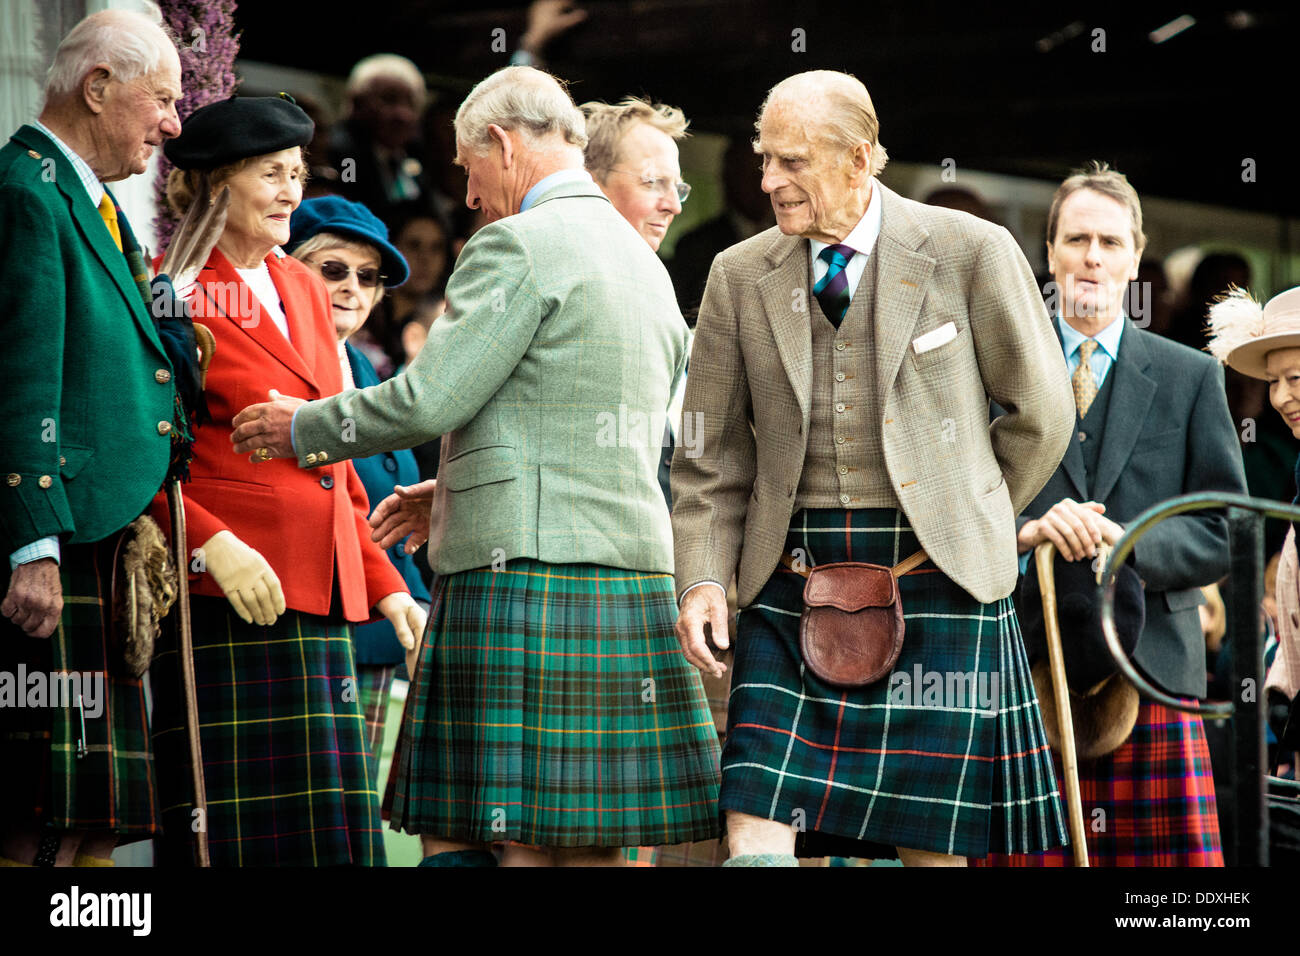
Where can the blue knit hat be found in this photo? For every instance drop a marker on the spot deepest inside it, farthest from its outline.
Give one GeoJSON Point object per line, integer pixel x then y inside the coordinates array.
{"type": "Point", "coordinates": [351, 220]}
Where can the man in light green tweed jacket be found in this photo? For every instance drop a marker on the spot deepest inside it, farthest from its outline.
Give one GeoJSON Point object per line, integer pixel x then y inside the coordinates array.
{"type": "Point", "coordinates": [549, 378]}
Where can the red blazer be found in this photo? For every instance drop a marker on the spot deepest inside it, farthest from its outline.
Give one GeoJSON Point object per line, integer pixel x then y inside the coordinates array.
{"type": "Point", "coordinates": [306, 523]}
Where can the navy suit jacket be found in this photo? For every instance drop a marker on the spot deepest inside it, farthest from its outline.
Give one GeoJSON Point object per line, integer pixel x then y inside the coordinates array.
{"type": "Point", "coordinates": [376, 643]}
{"type": "Point", "coordinates": [1167, 432]}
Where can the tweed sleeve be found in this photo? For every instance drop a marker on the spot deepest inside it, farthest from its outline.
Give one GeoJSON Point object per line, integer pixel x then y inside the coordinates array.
{"type": "Point", "coordinates": [493, 311]}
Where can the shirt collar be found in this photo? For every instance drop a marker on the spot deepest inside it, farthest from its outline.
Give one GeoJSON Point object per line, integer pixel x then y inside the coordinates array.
{"type": "Point", "coordinates": [1107, 339]}
{"type": "Point", "coordinates": [94, 188]}
{"type": "Point", "coordinates": [549, 182]}
{"type": "Point", "coordinates": [864, 235]}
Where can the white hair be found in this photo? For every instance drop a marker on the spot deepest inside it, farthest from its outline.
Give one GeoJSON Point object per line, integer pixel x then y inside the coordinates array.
{"type": "Point", "coordinates": [384, 66]}
{"type": "Point", "coordinates": [523, 99]}
{"type": "Point", "coordinates": [131, 45]}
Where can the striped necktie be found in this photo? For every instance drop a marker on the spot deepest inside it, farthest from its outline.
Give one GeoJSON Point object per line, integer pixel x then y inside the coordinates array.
{"type": "Point", "coordinates": [833, 290]}
{"type": "Point", "coordinates": [108, 213]}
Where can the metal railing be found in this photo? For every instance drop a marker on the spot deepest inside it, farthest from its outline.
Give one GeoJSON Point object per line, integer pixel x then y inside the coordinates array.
{"type": "Point", "coordinates": [1249, 766]}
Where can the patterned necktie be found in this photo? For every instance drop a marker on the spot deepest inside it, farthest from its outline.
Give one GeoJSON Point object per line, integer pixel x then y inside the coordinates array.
{"type": "Point", "coordinates": [833, 289]}
{"type": "Point", "coordinates": [109, 215]}
{"type": "Point", "coordinates": [1085, 386]}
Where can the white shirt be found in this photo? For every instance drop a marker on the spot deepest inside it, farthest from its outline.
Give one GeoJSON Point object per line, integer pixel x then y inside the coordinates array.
{"type": "Point", "coordinates": [259, 280]}
{"type": "Point", "coordinates": [862, 240]}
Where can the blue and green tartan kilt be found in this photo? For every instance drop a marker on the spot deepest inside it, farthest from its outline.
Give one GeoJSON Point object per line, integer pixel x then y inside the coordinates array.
{"type": "Point", "coordinates": [552, 706]}
{"type": "Point", "coordinates": [112, 786]}
{"type": "Point", "coordinates": [376, 684]}
{"type": "Point", "coordinates": [285, 761]}
{"type": "Point", "coordinates": [945, 754]}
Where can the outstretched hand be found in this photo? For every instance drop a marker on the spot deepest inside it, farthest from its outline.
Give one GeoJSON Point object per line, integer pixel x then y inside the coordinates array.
{"type": "Point", "coordinates": [404, 513]}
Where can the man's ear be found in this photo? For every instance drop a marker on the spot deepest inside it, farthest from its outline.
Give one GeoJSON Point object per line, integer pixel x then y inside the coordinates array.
{"type": "Point", "coordinates": [504, 141]}
{"type": "Point", "coordinates": [94, 86]}
{"type": "Point", "coordinates": [1051, 261]}
{"type": "Point", "coordinates": [860, 164]}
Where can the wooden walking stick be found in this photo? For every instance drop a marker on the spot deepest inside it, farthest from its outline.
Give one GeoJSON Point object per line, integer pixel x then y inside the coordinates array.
{"type": "Point", "coordinates": [1045, 558]}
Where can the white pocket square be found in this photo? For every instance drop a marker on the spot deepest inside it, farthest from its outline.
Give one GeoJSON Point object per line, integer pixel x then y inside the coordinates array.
{"type": "Point", "coordinates": [934, 338]}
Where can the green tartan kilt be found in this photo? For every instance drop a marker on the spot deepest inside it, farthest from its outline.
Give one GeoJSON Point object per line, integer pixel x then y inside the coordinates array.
{"type": "Point", "coordinates": [552, 706]}
{"type": "Point", "coordinates": [112, 786]}
{"type": "Point", "coordinates": [285, 761]}
{"type": "Point", "coordinates": [947, 753]}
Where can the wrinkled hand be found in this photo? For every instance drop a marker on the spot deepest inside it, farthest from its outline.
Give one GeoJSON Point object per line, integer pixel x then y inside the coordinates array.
{"type": "Point", "coordinates": [249, 583]}
{"type": "Point", "coordinates": [704, 606]}
{"type": "Point", "coordinates": [408, 620]}
{"type": "Point", "coordinates": [547, 19]}
{"type": "Point", "coordinates": [268, 425]}
{"type": "Point", "coordinates": [1075, 528]}
{"type": "Point", "coordinates": [35, 598]}
{"type": "Point", "coordinates": [404, 512]}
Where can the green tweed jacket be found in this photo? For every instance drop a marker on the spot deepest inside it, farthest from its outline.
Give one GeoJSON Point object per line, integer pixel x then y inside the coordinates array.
{"type": "Point", "coordinates": [86, 383]}
{"type": "Point", "coordinates": [549, 378]}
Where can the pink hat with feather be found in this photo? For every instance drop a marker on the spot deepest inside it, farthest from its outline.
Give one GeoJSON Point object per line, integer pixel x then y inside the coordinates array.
{"type": "Point", "coordinates": [1242, 332]}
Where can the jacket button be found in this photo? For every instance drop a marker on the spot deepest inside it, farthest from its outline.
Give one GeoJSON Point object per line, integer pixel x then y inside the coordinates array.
{"type": "Point", "coordinates": [164, 428]}
{"type": "Point", "coordinates": [839, 346]}
{"type": "Point", "coordinates": [162, 376]}
{"type": "Point", "coordinates": [844, 499]}
{"type": "Point", "coordinates": [321, 456]}
{"type": "Point", "coordinates": [62, 461]}
{"type": "Point", "coordinates": [45, 481]}
{"type": "Point", "coordinates": [327, 482]}
{"type": "Point", "coordinates": [1083, 436]}
{"type": "Point", "coordinates": [390, 463]}
{"type": "Point", "coordinates": [839, 376]}
{"type": "Point", "coordinates": [311, 458]}
{"type": "Point", "coordinates": [14, 480]}
{"type": "Point", "coordinates": [33, 154]}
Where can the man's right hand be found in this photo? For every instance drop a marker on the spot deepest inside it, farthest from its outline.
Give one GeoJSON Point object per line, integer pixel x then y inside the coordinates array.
{"type": "Point", "coordinates": [35, 598]}
{"type": "Point", "coordinates": [703, 605]}
{"type": "Point", "coordinates": [404, 512]}
{"type": "Point", "coordinates": [1076, 528]}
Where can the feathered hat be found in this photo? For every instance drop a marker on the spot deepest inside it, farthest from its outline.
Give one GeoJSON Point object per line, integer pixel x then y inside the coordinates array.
{"type": "Point", "coordinates": [1242, 332]}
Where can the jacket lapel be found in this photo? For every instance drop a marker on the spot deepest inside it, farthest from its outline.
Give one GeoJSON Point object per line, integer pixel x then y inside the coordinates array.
{"type": "Point", "coordinates": [901, 277]}
{"type": "Point", "coordinates": [91, 225]}
{"type": "Point", "coordinates": [232, 293]}
{"type": "Point", "coordinates": [1130, 399]}
{"type": "Point", "coordinates": [791, 328]}
{"type": "Point", "coordinates": [1072, 463]}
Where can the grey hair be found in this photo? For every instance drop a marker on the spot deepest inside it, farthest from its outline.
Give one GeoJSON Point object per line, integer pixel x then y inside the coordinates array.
{"type": "Point", "coordinates": [848, 117]}
{"type": "Point", "coordinates": [129, 43]}
{"type": "Point", "coordinates": [519, 98]}
{"type": "Point", "coordinates": [384, 66]}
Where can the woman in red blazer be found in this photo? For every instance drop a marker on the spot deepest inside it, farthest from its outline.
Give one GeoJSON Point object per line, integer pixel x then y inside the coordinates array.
{"type": "Point", "coordinates": [282, 562]}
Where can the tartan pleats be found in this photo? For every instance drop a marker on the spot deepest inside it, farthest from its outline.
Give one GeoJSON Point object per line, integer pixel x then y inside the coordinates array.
{"type": "Point", "coordinates": [283, 735]}
{"type": "Point", "coordinates": [112, 786]}
{"type": "Point", "coordinates": [552, 706]}
{"type": "Point", "coordinates": [947, 753]}
{"type": "Point", "coordinates": [1149, 803]}
{"type": "Point", "coordinates": [376, 683]}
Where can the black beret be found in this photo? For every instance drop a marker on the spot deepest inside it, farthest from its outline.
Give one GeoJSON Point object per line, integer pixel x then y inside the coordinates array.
{"type": "Point", "coordinates": [237, 128]}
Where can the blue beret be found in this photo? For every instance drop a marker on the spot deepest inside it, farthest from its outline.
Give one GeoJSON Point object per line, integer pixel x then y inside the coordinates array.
{"type": "Point", "coordinates": [238, 128]}
{"type": "Point", "coordinates": [351, 220]}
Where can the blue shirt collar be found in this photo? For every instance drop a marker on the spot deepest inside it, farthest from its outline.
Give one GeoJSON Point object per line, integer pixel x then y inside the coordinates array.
{"type": "Point", "coordinates": [550, 182]}
{"type": "Point", "coordinates": [1107, 339]}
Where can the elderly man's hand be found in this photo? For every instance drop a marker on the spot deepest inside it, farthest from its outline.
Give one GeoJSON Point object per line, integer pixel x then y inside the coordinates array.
{"type": "Point", "coordinates": [1076, 528]}
{"type": "Point", "coordinates": [703, 606]}
{"type": "Point", "coordinates": [35, 598]}
{"type": "Point", "coordinates": [265, 431]}
{"type": "Point", "coordinates": [404, 512]}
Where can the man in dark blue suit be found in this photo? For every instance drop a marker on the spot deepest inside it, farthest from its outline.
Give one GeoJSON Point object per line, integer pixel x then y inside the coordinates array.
{"type": "Point", "coordinates": [1153, 423]}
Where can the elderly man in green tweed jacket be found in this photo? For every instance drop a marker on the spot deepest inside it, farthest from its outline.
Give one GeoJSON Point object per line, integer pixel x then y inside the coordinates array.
{"type": "Point", "coordinates": [87, 405]}
{"type": "Point", "coordinates": [550, 706]}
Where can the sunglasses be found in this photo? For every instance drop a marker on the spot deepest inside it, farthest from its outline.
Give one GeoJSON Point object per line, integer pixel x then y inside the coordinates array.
{"type": "Point", "coordinates": [336, 271]}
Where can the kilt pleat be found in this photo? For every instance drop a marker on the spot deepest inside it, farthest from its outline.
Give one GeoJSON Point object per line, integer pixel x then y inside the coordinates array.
{"type": "Point", "coordinates": [285, 760]}
{"type": "Point", "coordinates": [376, 684]}
{"type": "Point", "coordinates": [947, 753]}
{"type": "Point", "coordinates": [552, 707]}
{"type": "Point", "coordinates": [113, 785]}
{"type": "Point", "coordinates": [1149, 803]}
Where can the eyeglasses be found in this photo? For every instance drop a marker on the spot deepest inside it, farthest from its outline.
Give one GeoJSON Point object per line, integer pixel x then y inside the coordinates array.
{"type": "Point", "coordinates": [336, 271]}
{"type": "Point", "coordinates": [661, 184]}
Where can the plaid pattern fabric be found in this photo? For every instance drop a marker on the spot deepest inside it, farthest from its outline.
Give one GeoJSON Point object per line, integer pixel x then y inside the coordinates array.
{"type": "Point", "coordinates": [376, 685]}
{"type": "Point", "coordinates": [552, 706]}
{"type": "Point", "coordinates": [889, 764]}
{"type": "Point", "coordinates": [1156, 797]}
{"type": "Point", "coordinates": [283, 737]}
{"type": "Point", "coordinates": [113, 786]}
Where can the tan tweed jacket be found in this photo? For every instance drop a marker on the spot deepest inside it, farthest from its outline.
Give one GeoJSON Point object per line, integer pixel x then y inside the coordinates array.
{"type": "Point", "coordinates": [961, 480]}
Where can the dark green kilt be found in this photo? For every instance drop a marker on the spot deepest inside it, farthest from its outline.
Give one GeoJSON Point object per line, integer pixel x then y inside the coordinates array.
{"type": "Point", "coordinates": [285, 760]}
{"type": "Point", "coordinates": [552, 706]}
{"type": "Point", "coordinates": [946, 754]}
{"type": "Point", "coordinates": [110, 787]}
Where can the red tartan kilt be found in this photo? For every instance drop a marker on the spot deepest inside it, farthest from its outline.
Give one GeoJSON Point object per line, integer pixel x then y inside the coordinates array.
{"type": "Point", "coordinates": [1150, 803]}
